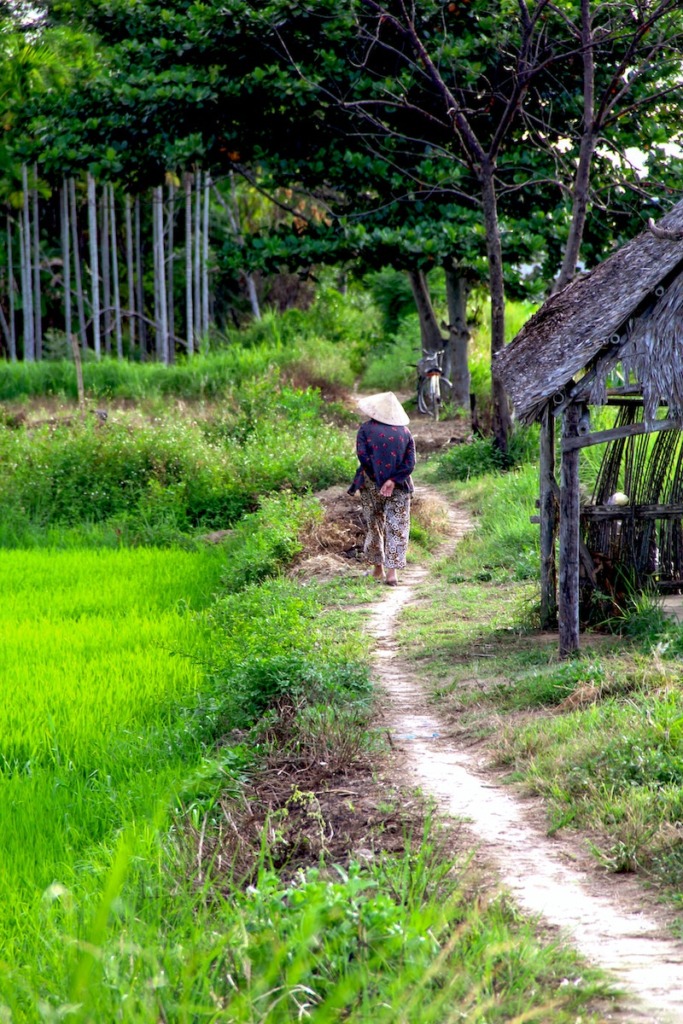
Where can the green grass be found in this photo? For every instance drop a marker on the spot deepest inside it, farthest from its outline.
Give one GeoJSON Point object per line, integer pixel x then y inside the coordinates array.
{"type": "Point", "coordinates": [125, 672]}
{"type": "Point", "coordinates": [325, 343]}
{"type": "Point", "coordinates": [98, 650]}
{"type": "Point", "coordinates": [141, 482]}
{"type": "Point", "coordinates": [121, 671]}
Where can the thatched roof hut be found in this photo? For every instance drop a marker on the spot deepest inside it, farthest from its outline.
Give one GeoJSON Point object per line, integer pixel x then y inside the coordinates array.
{"type": "Point", "coordinates": [589, 325]}
{"type": "Point", "coordinates": [613, 336]}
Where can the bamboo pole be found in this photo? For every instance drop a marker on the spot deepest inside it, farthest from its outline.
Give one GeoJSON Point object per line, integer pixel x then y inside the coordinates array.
{"type": "Point", "coordinates": [26, 282]}
{"type": "Point", "coordinates": [94, 265]}
{"type": "Point", "coordinates": [80, 304]}
{"type": "Point", "coordinates": [37, 299]}
{"type": "Point", "coordinates": [104, 264]}
{"type": "Point", "coordinates": [11, 283]}
{"type": "Point", "coordinates": [197, 258]}
{"type": "Point", "coordinates": [170, 318]}
{"type": "Point", "coordinates": [155, 265]}
{"type": "Point", "coordinates": [130, 274]}
{"type": "Point", "coordinates": [139, 283]}
{"type": "Point", "coordinates": [114, 262]}
{"type": "Point", "coordinates": [160, 276]}
{"type": "Point", "coordinates": [205, 257]}
{"type": "Point", "coordinates": [617, 433]}
{"type": "Point", "coordinates": [548, 518]}
{"type": "Point", "coordinates": [66, 259]}
{"type": "Point", "coordinates": [189, 314]}
{"type": "Point", "coordinates": [569, 538]}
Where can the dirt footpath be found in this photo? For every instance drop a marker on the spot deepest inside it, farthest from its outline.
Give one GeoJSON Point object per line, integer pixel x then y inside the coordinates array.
{"type": "Point", "coordinates": [603, 916]}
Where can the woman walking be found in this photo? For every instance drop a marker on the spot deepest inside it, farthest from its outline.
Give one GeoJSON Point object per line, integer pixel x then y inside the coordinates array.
{"type": "Point", "coordinates": [386, 453]}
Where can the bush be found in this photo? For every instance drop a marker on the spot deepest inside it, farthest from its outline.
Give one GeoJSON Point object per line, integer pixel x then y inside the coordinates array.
{"type": "Point", "coordinates": [481, 456]}
{"type": "Point", "coordinates": [154, 482]}
{"type": "Point", "coordinates": [266, 541]}
{"type": "Point", "coordinates": [391, 365]}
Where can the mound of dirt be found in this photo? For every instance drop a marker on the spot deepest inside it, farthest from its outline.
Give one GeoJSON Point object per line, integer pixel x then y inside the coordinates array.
{"type": "Point", "coordinates": [334, 546]}
{"type": "Point", "coordinates": [340, 534]}
{"type": "Point", "coordinates": [432, 437]}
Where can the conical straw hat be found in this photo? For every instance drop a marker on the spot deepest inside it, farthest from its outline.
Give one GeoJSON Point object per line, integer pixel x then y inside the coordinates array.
{"type": "Point", "coordinates": [385, 408]}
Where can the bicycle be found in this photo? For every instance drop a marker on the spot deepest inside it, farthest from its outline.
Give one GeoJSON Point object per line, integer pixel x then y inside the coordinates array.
{"type": "Point", "coordinates": [430, 375]}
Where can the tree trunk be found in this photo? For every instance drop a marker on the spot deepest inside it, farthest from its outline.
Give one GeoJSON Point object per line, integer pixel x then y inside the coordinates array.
{"type": "Point", "coordinates": [130, 275]}
{"type": "Point", "coordinates": [94, 266]}
{"type": "Point", "coordinates": [80, 303]}
{"type": "Point", "coordinates": [115, 275]}
{"type": "Point", "coordinates": [11, 286]}
{"type": "Point", "coordinates": [205, 257]}
{"type": "Point", "coordinates": [106, 277]}
{"type": "Point", "coordinates": [189, 312]}
{"type": "Point", "coordinates": [66, 261]}
{"type": "Point", "coordinates": [432, 339]}
{"type": "Point", "coordinates": [26, 282]}
{"type": "Point", "coordinates": [169, 273]}
{"type": "Point", "coordinates": [456, 361]}
{"type": "Point", "coordinates": [139, 282]}
{"type": "Point", "coordinates": [197, 257]}
{"type": "Point", "coordinates": [502, 421]}
{"type": "Point", "coordinates": [253, 295]}
{"type": "Point", "coordinates": [586, 152]}
{"type": "Point", "coordinates": [37, 298]}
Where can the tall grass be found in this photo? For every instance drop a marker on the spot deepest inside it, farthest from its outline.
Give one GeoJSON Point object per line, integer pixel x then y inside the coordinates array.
{"type": "Point", "coordinates": [157, 482]}
{"type": "Point", "coordinates": [327, 343]}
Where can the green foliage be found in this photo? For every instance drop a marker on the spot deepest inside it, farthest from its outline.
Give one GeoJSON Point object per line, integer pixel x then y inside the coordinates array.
{"type": "Point", "coordinates": [267, 540]}
{"type": "Point", "coordinates": [548, 685]}
{"type": "Point", "coordinates": [391, 364]}
{"type": "Point", "coordinates": [269, 640]}
{"type": "Point", "coordinates": [393, 296]}
{"type": "Point", "coordinates": [643, 619]}
{"type": "Point", "coordinates": [481, 456]}
{"type": "Point", "coordinates": [155, 482]}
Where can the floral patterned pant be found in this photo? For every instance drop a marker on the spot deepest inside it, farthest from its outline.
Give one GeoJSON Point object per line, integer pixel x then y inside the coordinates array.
{"type": "Point", "coordinates": [388, 525]}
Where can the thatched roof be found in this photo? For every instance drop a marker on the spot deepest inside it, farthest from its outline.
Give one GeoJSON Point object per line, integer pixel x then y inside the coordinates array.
{"type": "Point", "coordinates": [589, 318]}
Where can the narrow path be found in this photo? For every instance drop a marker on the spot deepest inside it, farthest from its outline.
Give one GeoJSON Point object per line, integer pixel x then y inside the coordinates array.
{"type": "Point", "coordinates": [606, 926]}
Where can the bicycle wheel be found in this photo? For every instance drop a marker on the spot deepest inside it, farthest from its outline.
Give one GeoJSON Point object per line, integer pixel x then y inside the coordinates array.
{"type": "Point", "coordinates": [429, 398]}
{"type": "Point", "coordinates": [422, 394]}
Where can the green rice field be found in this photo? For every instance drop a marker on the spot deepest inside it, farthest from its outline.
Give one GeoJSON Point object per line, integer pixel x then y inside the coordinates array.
{"type": "Point", "coordinates": [96, 650]}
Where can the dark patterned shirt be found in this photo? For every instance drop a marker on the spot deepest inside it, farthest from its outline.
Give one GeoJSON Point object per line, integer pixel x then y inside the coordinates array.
{"type": "Point", "coordinates": [385, 453]}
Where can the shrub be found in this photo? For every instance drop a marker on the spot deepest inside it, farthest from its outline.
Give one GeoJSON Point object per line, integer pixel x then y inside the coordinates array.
{"type": "Point", "coordinates": [391, 365]}
{"type": "Point", "coordinates": [481, 456]}
{"type": "Point", "coordinates": [155, 482]}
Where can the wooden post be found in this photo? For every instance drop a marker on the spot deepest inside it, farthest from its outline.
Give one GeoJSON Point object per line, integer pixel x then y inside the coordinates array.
{"type": "Point", "coordinates": [569, 538]}
{"type": "Point", "coordinates": [548, 517]}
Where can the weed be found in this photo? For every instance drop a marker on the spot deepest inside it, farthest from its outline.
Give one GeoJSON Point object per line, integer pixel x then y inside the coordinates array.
{"type": "Point", "coordinates": [481, 456]}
